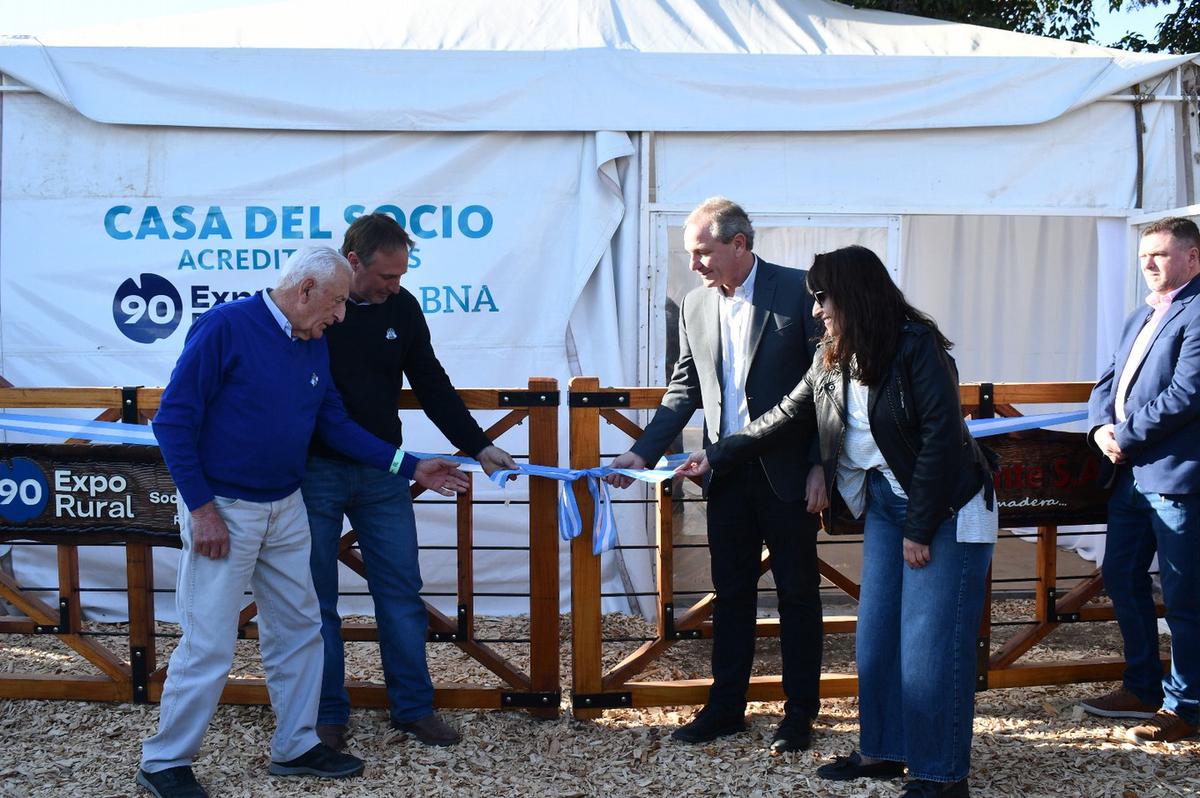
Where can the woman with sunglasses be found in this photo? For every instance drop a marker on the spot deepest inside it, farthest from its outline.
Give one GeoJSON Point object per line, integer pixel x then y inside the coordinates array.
{"type": "Point", "coordinates": [882, 393]}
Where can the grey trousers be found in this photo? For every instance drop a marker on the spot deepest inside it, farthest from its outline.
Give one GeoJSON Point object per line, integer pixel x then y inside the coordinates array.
{"type": "Point", "coordinates": [269, 549]}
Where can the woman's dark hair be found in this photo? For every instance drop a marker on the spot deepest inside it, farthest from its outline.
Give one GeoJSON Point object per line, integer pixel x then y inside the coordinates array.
{"type": "Point", "coordinates": [870, 311]}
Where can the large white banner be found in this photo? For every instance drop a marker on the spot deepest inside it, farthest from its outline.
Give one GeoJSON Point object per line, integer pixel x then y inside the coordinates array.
{"type": "Point", "coordinates": [114, 239]}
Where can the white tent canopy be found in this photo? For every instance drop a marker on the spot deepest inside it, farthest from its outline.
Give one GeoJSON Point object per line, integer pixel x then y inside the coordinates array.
{"type": "Point", "coordinates": [525, 65]}
{"type": "Point", "coordinates": [545, 153]}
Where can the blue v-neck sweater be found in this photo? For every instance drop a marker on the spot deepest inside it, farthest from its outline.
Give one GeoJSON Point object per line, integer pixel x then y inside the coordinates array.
{"type": "Point", "coordinates": [242, 403]}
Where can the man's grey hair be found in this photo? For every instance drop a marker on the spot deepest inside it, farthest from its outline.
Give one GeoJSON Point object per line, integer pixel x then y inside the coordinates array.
{"type": "Point", "coordinates": [319, 263]}
{"type": "Point", "coordinates": [725, 220]}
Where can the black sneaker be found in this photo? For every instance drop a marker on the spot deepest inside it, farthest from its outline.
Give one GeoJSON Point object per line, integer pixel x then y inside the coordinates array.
{"type": "Point", "coordinates": [844, 768]}
{"type": "Point", "coordinates": [320, 760]}
{"type": "Point", "coordinates": [794, 733]}
{"type": "Point", "coordinates": [178, 782]}
{"type": "Point", "coordinates": [708, 725]}
{"type": "Point", "coordinates": [920, 788]}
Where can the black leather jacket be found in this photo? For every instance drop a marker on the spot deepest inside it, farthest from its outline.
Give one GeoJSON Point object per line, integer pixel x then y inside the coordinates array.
{"type": "Point", "coordinates": [916, 420]}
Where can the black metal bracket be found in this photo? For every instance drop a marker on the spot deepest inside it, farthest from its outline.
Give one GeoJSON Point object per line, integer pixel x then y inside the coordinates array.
{"type": "Point", "coordinates": [987, 400]}
{"type": "Point", "coordinates": [669, 630]}
{"type": "Point", "coordinates": [529, 399]}
{"type": "Point", "coordinates": [983, 656]}
{"type": "Point", "coordinates": [129, 404]}
{"type": "Point", "coordinates": [667, 487]}
{"type": "Point", "coordinates": [1055, 615]}
{"type": "Point", "coordinates": [139, 674]}
{"type": "Point", "coordinates": [601, 700]}
{"type": "Point", "coordinates": [63, 626]}
{"type": "Point", "coordinates": [458, 634]}
{"type": "Point", "coordinates": [598, 399]}
{"type": "Point", "coordinates": [531, 700]}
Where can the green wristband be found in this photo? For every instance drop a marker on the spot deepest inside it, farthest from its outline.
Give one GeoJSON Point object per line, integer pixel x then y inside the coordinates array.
{"type": "Point", "coordinates": [396, 461]}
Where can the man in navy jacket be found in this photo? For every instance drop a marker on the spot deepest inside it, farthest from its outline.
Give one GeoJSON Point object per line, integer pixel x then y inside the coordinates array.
{"type": "Point", "coordinates": [1145, 418]}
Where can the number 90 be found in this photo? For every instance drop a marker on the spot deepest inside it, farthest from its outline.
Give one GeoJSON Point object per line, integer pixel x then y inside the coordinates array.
{"type": "Point", "coordinates": [160, 308]}
{"type": "Point", "coordinates": [29, 491]}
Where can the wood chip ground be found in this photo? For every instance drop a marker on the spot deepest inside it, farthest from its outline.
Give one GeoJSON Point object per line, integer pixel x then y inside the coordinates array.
{"type": "Point", "coordinates": [1028, 741]}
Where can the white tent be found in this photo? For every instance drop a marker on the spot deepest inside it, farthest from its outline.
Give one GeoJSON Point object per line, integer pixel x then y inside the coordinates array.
{"type": "Point", "coordinates": [545, 153]}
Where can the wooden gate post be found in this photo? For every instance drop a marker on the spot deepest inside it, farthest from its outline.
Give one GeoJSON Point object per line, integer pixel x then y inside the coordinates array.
{"type": "Point", "coordinates": [586, 676]}
{"type": "Point", "coordinates": [139, 567]}
{"type": "Point", "coordinates": [544, 665]}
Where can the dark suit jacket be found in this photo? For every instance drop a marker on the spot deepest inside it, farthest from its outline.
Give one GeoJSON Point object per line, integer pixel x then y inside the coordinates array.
{"type": "Point", "coordinates": [782, 340]}
{"type": "Point", "coordinates": [1160, 435]}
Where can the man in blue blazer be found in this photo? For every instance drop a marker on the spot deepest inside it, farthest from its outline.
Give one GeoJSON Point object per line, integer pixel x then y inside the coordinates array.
{"type": "Point", "coordinates": [1145, 418]}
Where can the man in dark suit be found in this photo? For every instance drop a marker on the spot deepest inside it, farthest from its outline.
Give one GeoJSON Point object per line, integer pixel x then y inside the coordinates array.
{"type": "Point", "coordinates": [1145, 418]}
{"type": "Point", "coordinates": [746, 338]}
{"type": "Point", "coordinates": [383, 339]}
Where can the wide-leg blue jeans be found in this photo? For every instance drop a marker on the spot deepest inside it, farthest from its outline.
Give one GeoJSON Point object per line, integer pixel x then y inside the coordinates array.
{"type": "Point", "coordinates": [1141, 523]}
{"type": "Point", "coordinates": [380, 510]}
{"type": "Point", "coordinates": [915, 644]}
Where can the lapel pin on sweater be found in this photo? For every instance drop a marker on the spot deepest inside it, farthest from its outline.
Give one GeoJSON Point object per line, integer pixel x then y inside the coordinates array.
{"type": "Point", "coordinates": [314, 379]}
{"type": "Point", "coordinates": [390, 334]}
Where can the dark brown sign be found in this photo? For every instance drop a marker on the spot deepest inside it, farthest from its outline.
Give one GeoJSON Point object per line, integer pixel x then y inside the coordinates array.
{"type": "Point", "coordinates": [1046, 478]}
{"type": "Point", "coordinates": [86, 494]}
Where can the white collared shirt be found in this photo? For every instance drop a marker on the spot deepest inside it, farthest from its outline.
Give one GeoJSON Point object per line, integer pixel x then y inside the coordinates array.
{"type": "Point", "coordinates": [284, 324]}
{"type": "Point", "coordinates": [737, 312]}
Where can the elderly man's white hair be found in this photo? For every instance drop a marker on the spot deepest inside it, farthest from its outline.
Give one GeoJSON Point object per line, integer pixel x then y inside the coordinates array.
{"type": "Point", "coordinates": [319, 263]}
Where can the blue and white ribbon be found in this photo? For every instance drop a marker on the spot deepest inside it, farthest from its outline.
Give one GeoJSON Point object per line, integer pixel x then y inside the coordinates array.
{"type": "Point", "coordinates": [66, 428]}
{"type": "Point", "coordinates": [570, 520]}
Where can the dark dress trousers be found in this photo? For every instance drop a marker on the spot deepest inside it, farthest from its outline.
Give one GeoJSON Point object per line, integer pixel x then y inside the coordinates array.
{"type": "Point", "coordinates": [761, 503]}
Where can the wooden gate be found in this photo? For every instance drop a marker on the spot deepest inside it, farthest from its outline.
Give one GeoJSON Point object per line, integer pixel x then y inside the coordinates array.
{"type": "Point", "coordinates": [595, 689]}
{"type": "Point", "coordinates": [140, 677]}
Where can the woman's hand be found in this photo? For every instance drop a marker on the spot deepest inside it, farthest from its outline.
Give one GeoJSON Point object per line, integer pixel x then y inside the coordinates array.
{"type": "Point", "coordinates": [916, 554]}
{"type": "Point", "coordinates": [696, 465]}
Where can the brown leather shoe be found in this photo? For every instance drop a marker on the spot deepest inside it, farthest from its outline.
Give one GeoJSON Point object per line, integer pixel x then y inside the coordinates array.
{"type": "Point", "coordinates": [1120, 703]}
{"type": "Point", "coordinates": [431, 730]}
{"type": "Point", "coordinates": [333, 735]}
{"type": "Point", "coordinates": [1164, 727]}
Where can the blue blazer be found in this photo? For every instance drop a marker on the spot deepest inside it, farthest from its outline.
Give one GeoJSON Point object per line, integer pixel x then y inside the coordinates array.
{"type": "Point", "coordinates": [1160, 435]}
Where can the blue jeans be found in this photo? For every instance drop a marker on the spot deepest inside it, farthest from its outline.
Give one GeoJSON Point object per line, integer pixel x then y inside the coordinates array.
{"type": "Point", "coordinates": [380, 510]}
{"type": "Point", "coordinates": [915, 645]}
{"type": "Point", "coordinates": [1139, 524]}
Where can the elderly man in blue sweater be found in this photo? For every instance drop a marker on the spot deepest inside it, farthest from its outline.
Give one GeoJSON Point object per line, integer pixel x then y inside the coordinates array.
{"type": "Point", "coordinates": [249, 390]}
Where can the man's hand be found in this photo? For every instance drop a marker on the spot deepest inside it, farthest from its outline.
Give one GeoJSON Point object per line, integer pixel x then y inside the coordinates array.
{"type": "Point", "coordinates": [814, 489]}
{"type": "Point", "coordinates": [697, 465]}
{"type": "Point", "coordinates": [494, 459]}
{"type": "Point", "coordinates": [916, 554]}
{"type": "Point", "coordinates": [210, 536]}
{"type": "Point", "coordinates": [1106, 438]}
{"type": "Point", "coordinates": [627, 460]}
{"type": "Point", "coordinates": [442, 476]}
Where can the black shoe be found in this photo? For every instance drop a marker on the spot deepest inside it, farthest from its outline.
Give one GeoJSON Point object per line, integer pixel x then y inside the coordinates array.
{"type": "Point", "coordinates": [844, 768]}
{"type": "Point", "coordinates": [320, 760]}
{"type": "Point", "coordinates": [709, 724]}
{"type": "Point", "coordinates": [431, 730]}
{"type": "Point", "coordinates": [178, 782]}
{"type": "Point", "coordinates": [920, 788]}
{"type": "Point", "coordinates": [332, 735]}
{"type": "Point", "coordinates": [792, 734]}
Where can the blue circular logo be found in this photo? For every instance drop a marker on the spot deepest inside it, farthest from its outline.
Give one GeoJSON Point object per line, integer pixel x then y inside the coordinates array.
{"type": "Point", "coordinates": [147, 312]}
{"type": "Point", "coordinates": [23, 490]}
